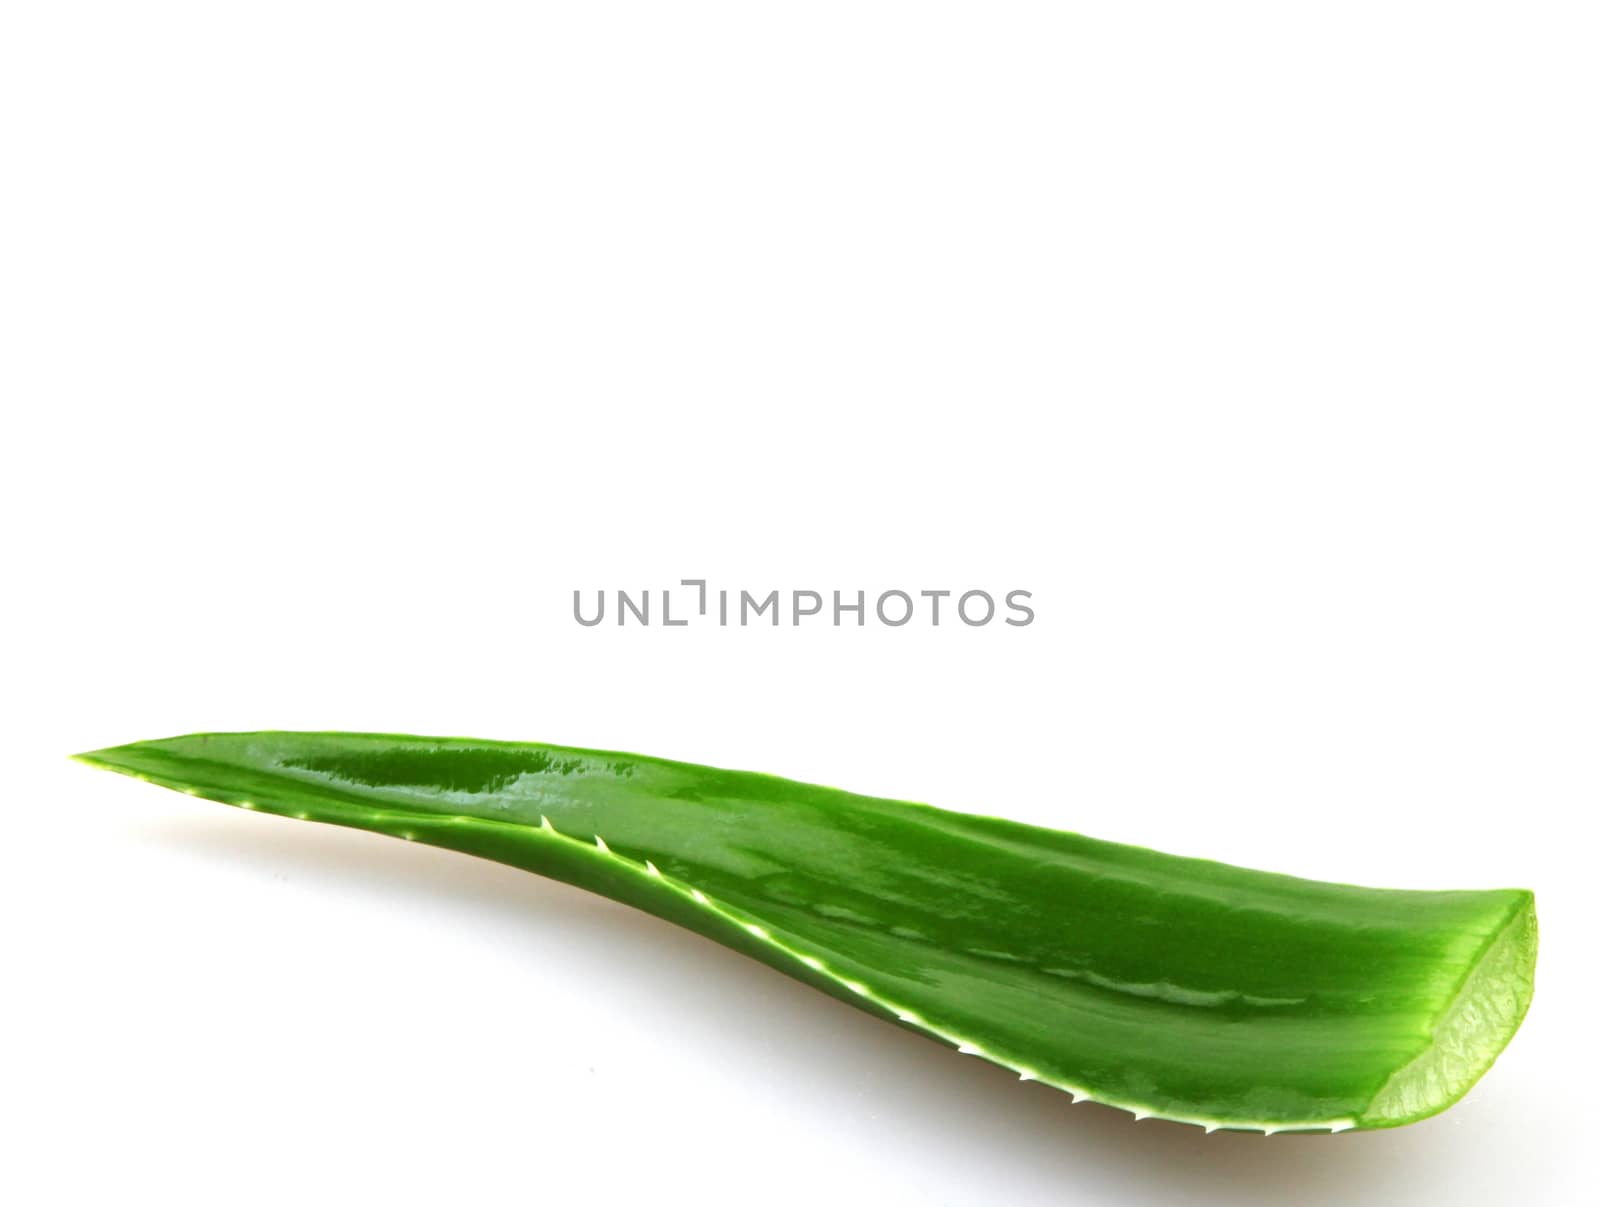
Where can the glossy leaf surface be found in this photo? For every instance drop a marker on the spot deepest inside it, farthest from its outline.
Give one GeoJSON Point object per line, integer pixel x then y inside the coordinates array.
{"type": "Point", "coordinates": [1171, 987]}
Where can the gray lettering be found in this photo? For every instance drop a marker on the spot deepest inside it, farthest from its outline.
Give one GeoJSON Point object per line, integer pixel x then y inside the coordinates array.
{"type": "Point", "coordinates": [895, 624]}
{"type": "Point", "coordinates": [1019, 608]}
{"type": "Point", "coordinates": [1011, 602]}
{"type": "Point", "coordinates": [746, 599]}
{"type": "Point", "coordinates": [577, 612]}
{"type": "Point", "coordinates": [859, 608]}
{"type": "Point", "coordinates": [961, 607]}
{"type": "Point", "coordinates": [696, 582]}
{"type": "Point", "coordinates": [641, 614]}
{"type": "Point", "coordinates": [816, 605]}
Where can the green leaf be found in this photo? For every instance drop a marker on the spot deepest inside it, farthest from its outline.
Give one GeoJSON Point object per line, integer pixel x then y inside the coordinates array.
{"type": "Point", "coordinates": [1169, 987]}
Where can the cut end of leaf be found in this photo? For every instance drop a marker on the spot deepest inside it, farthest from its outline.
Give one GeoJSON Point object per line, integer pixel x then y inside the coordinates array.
{"type": "Point", "coordinates": [1471, 1032]}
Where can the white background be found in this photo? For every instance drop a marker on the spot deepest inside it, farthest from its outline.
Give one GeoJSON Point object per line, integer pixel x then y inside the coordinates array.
{"type": "Point", "coordinates": [343, 341]}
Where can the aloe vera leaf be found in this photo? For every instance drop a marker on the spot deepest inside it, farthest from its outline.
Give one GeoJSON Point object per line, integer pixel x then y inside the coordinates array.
{"type": "Point", "coordinates": [1170, 987]}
